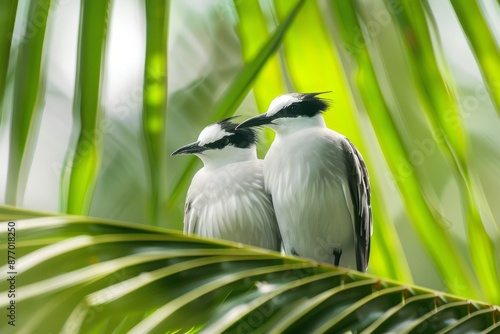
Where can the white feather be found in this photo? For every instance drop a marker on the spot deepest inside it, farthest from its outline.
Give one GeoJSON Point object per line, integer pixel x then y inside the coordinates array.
{"type": "Point", "coordinates": [211, 134]}
{"type": "Point", "coordinates": [303, 171]}
{"type": "Point", "coordinates": [281, 102]}
{"type": "Point", "coordinates": [230, 203]}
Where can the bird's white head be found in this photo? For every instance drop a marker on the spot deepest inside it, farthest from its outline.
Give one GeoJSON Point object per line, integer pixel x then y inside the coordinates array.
{"type": "Point", "coordinates": [290, 112]}
{"type": "Point", "coordinates": [221, 143]}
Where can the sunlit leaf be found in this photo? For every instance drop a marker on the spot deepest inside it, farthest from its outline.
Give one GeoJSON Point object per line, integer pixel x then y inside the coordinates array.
{"type": "Point", "coordinates": [441, 105]}
{"type": "Point", "coordinates": [452, 267]}
{"type": "Point", "coordinates": [154, 116]}
{"type": "Point", "coordinates": [28, 98]}
{"type": "Point", "coordinates": [7, 20]}
{"type": "Point", "coordinates": [483, 44]}
{"type": "Point", "coordinates": [82, 163]}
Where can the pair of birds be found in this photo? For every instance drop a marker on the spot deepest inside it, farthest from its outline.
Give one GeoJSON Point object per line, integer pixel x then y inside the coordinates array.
{"type": "Point", "coordinates": [311, 192]}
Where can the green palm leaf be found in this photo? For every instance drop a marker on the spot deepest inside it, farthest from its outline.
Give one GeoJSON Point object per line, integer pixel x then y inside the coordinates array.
{"type": "Point", "coordinates": [86, 275]}
{"type": "Point", "coordinates": [7, 19]}
{"type": "Point", "coordinates": [437, 97]}
{"type": "Point", "coordinates": [483, 44]}
{"type": "Point", "coordinates": [29, 91]}
{"type": "Point", "coordinates": [154, 122]}
{"type": "Point", "coordinates": [82, 164]}
{"type": "Point", "coordinates": [455, 272]}
{"type": "Point", "coordinates": [396, 82]}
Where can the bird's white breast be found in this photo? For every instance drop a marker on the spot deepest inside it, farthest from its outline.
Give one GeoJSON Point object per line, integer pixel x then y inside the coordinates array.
{"type": "Point", "coordinates": [305, 173]}
{"type": "Point", "coordinates": [230, 203]}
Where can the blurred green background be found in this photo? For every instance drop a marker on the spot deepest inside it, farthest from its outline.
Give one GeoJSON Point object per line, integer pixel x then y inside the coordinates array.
{"type": "Point", "coordinates": [96, 95]}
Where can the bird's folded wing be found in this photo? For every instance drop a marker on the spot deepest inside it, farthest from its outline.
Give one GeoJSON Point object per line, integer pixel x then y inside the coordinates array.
{"type": "Point", "coordinates": [359, 187]}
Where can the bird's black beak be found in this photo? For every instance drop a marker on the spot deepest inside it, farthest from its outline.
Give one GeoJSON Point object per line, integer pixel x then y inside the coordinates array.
{"type": "Point", "coordinates": [258, 120]}
{"type": "Point", "coordinates": [192, 148]}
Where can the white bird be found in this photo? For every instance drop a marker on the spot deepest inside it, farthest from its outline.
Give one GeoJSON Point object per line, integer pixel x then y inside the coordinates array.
{"type": "Point", "coordinates": [318, 182]}
{"type": "Point", "coordinates": [226, 198]}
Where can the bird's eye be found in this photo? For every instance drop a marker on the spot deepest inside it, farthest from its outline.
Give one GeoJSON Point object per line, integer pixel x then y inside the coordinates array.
{"type": "Point", "coordinates": [293, 108]}
{"type": "Point", "coordinates": [226, 141]}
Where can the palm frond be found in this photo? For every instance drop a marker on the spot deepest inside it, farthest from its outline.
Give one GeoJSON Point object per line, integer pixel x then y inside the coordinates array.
{"type": "Point", "coordinates": [83, 275]}
{"type": "Point", "coordinates": [81, 167]}
{"type": "Point", "coordinates": [154, 116]}
{"type": "Point", "coordinates": [28, 98]}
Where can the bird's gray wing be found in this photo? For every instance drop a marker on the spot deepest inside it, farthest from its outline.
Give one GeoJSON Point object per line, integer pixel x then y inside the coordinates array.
{"type": "Point", "coordinates": [359, 186]}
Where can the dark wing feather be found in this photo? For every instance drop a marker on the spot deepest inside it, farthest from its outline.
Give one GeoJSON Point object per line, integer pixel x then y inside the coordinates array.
{"type": "Point", "coordinates": [359, 186]}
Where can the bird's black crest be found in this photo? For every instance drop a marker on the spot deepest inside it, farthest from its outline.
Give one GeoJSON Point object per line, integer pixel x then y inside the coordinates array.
{"type": "Point", "coordinates": [241, 138]}
{"type": "Point", "coordinates": [313, 105]}
{"type": "Point", "coordinates": [309, 105]}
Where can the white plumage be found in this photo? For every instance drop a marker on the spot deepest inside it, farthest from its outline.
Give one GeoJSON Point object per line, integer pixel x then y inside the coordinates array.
{"type": "Point", "coordinates": [226, 198]}
{"type": "Point", "coordinates": [318, 182]}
